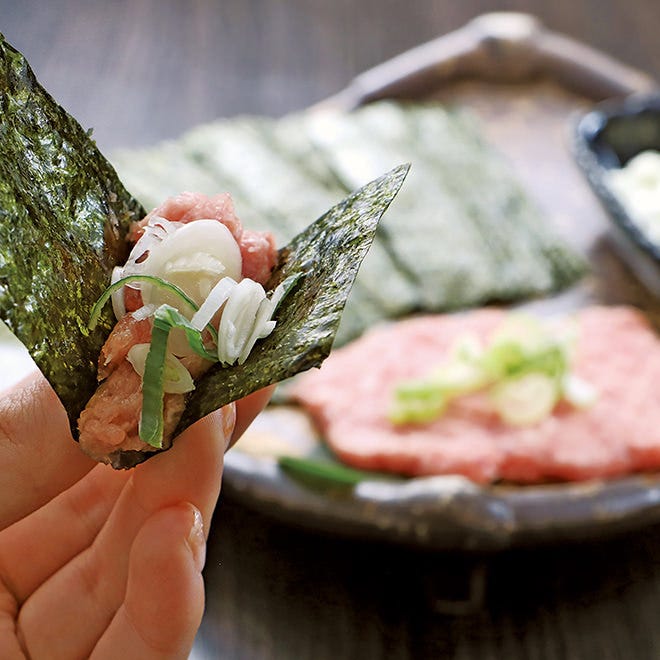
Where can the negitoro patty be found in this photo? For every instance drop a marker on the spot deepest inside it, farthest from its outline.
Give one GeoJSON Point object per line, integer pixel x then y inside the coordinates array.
{"type": "Point", "coordinates": [616, 352]}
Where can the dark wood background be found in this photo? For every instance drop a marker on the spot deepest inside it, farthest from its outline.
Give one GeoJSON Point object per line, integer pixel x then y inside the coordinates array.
{"type": "Point", "coordinates": [139, 71]}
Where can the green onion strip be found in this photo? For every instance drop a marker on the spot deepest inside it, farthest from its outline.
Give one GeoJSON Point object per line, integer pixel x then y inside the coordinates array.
{"type": "Point", "coordinates": [151, 279]}
{"type": "Point", "coordinates": [166, 318]}
{"type": "Point", "coordinates": [151, 418]}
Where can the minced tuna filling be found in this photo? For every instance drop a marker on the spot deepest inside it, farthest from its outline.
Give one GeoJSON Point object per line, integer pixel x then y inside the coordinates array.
{"type": "Point", "coordinates": [111, 418]}
{"type": "Point", "coordinates": [617, 352]}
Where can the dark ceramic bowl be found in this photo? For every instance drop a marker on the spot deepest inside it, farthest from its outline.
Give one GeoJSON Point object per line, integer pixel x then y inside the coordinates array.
{"type": "Point", "coordinates": [606, 138]}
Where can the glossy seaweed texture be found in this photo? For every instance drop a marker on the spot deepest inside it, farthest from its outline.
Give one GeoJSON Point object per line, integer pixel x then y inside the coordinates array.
{"type": "Point", "coordinates": [606, 138]}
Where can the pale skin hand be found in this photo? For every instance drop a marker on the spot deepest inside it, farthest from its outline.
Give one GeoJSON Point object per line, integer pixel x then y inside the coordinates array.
{"type": "Point", "coordinates": [97, 563]}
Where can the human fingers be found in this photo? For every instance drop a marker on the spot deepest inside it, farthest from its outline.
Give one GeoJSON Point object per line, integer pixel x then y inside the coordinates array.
{"type": "Point", "coordinates": [69, 523]}
{"type": "Point", "coordinates": [58, 531]}
{"type": "Point", "coordinates": [36, 446]}
{"type": "Point", "coordinates": [164, 601]}
{"type": "Point", "coordinates": [39, 457]}
{"type": "Point", "coordinates": [95, 580]}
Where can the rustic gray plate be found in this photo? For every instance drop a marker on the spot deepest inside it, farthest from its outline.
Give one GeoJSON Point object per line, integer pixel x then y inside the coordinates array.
{"type": "Point", "coordinates": [527, 85]}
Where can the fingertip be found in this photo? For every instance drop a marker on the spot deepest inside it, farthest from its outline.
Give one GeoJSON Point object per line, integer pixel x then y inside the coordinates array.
{"type": "Point", "coordinates": [175, 529]}
{"type": "Point", "coordinates": [216, 426]}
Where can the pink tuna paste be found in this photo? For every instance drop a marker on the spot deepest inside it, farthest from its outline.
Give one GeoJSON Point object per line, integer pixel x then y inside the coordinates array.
{"type": "Point", "coordinates": [110, 420]}
{"type": "Point", "coordinates": [617, 352]}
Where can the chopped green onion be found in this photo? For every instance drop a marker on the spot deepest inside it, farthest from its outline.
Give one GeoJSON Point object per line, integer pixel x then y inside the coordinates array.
{"type": "Point", "coordinates": [525, 369]}
{"type": "Point", "coordinates": [509, 359]}
{"type": "Point", "coordinates": [152, 279]}
{"type": "Point", "coordinates": [151, 419]}
{"type": "Point", "coordinates": [165, 318]}
{"type": "Point", "coordinates": [176, 378]}
{"type": "Point", "coordinates": [525, 400]}
{"type": "Point", "coordinates": [527, 332]}
{"type": "Point", "coordinates": [422, 401]}
{"type": "Point", "coordinates": [460, 377]}
{"type": "Point", "coordinates": [172, 317]}
{"type": "Point", "coordinates": [428, 404]}
{"type": "Point", "coordinates": [326, 471]}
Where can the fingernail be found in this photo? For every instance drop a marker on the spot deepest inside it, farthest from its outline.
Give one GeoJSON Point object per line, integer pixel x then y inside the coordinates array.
{"type": "Point", "coordinates": [196, 539]}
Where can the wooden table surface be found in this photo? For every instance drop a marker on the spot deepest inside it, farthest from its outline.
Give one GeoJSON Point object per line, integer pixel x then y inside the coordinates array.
{"type": "Point", "coordinates": [139, 71]}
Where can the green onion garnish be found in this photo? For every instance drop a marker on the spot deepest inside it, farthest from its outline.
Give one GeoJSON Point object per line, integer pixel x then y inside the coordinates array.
{"type": "Point", "coordinates": [524, 368]}
{"type": "Point", "coordinates": [151, 279]}
{"type": "Point", "coordinates": [166, 315]}
{"type": "Point", "coordinates": [326, 471]}
{"type": "Point", "coordinates": [151, 419]}
{"type": "Point", "coordinates": [165, 319]}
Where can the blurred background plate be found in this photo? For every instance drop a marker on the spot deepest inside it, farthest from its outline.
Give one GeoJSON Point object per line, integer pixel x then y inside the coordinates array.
{"type": "Point", "coordinates": [528, 86]}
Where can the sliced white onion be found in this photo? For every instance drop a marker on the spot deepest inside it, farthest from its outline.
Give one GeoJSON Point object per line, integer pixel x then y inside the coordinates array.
{"type": "Point", "coordinates": [246, 318]}
{"type": "Point", "coordinates": [263, 324]}
{"type": "Point", "coordinates": [168, 226]}
{"type": "Point", "coordinates": [238, 319]}
{"type": "Point", "coordinates": [144, 312]}
{"type": "Point", "coordinates": [155, 232]}
{"type": "Point", "coordinates": [276, 296]}
{"type": "Point", "coordinates": [146, 243]}
{"type": "Point", "coordinates": [176, 378]}
{"type": "Point", "coordinates": [160, 228]}
{"type": "Point", "coordinates": [261, 329]}
{"type": "Point", "coordinates": [214, 301]}
{"type": "Point", "coordinates": [195, 262]}
{"type": "Point", "coordinates": [225, 341]}
{"type": "Point", "coordinates": [118, 306]}
{"type": "Point", "coordinates": [193, 258]}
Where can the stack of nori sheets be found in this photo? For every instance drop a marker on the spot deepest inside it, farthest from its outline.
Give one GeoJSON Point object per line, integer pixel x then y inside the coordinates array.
{"type": "Point", "coordinates": [462, 231]}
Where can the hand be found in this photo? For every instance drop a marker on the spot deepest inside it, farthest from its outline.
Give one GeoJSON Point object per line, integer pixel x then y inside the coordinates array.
{"type": "Point", "coordinates": [99, 563]}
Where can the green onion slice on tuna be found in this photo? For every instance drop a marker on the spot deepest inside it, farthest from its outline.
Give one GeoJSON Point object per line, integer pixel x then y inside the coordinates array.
{"type": "Point", "coordinates": [525, 371]}
{"type": "Point", "coordinates": [151, 419]}
{"type": "Point", "coordinates": [165, 319]}
{"type": "Point", "coordinates": [130, 279]}
{"type": "Point", "coordinates": [166, 315]}
{"type": "Point", "coordinates": [176, 378]}
{"type": "Point", "coordinates": [151, 279]}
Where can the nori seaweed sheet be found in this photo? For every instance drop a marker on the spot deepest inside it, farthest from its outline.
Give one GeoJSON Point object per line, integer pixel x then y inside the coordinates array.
{"type": "Point", "coordinates": [64, 216]}
{"type": "Point", "coordinates": [63, 219]}
{"type": "Point", "coordinates": [329, 253]}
